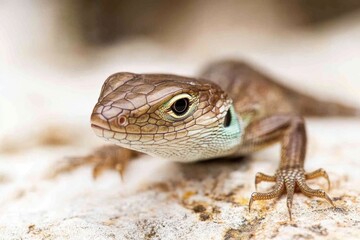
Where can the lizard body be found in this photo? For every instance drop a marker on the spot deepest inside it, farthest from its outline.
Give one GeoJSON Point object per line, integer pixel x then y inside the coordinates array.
{"type": "Point", "coordinates": [231, 110]}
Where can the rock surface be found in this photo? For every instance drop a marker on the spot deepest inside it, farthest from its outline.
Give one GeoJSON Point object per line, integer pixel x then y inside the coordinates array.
{"type": "Point", "coordinates": [161, 200]}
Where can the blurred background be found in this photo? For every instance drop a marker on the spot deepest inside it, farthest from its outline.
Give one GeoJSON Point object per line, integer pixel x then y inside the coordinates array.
{"type": "Point", "coordinates": [55, 55]}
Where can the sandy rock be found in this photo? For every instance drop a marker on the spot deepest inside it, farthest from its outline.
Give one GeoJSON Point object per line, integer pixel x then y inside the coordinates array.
{"type": "Point", "coordinates": [161, 200]}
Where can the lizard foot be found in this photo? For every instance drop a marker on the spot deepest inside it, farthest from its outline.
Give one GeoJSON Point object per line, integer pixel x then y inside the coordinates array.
{"type": "Point", "coordinates": [107, 157]}
{"type": "Point", "coordinates": [288, 180]}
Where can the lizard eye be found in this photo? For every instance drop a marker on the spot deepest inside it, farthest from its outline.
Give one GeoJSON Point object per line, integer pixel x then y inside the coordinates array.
{"type": "Point", "coordinates": [180, 106]}
{"type": "Point", "coordinates": [227, 119]}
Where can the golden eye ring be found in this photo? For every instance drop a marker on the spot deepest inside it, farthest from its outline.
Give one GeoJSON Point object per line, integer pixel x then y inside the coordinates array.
{"type": "Point", "coordinates": [179, 107]}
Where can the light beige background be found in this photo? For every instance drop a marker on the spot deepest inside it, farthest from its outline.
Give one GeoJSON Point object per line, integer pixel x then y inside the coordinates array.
{"type": "Point", "coordinates": [49, 83]}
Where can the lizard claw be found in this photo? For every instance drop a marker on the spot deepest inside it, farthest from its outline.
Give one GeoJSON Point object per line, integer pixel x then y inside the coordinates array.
{"type": "Point", "coordinates": [114, 160]}
{"type": "Point", "coordinates": [276, 192]}
{"type": "Point", "coordinates": [110, 163]}
{"type": "Point", "coordinates": [287, 180]}
{"type": "Point", "coordinates": [107, 157]}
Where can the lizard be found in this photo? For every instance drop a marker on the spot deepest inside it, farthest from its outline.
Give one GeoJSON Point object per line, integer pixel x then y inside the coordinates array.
{"type": "Point", "coordinates": [231, 110]}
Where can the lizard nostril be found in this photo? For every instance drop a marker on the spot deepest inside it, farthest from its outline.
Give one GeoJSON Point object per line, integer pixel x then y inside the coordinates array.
{"type": "Point", "coordinates": [122, 121]}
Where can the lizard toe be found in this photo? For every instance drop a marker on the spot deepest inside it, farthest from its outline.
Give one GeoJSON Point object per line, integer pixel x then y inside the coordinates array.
{"type": "Point", "coordinates": [287, 180]}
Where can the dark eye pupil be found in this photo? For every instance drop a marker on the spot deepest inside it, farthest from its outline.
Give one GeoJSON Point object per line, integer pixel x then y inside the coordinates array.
{"type": "Point", "coordinates": [180, 106]}
{"type": "Point", "coordinates": [227, 120]}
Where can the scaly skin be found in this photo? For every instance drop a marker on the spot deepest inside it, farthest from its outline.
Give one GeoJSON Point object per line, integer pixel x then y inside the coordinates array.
{"type": "Point", "coordinates": [134, 111]}
{"type": "Point", "coordinates": [238, 112]}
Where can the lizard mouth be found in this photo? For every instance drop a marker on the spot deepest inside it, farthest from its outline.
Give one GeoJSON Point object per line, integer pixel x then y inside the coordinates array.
{"type": "Point", "coordinates": [99, 131]}
{"type": "Point", "coordinates": [104, 131]}
{"type": "Point", "coordinates": [94, 126]}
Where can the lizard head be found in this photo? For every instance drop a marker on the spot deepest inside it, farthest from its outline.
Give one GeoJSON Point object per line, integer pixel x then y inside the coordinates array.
{"type": "Point", "coordinates": [173, 117]}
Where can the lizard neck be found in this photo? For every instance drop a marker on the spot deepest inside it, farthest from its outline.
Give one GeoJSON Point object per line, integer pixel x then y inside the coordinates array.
{"type": "Point", "coordinates": [222, 141]}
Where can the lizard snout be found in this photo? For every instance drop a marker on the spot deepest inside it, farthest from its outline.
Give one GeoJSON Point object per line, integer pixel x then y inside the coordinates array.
{"type": "Point", "coordinates": [109, 118]}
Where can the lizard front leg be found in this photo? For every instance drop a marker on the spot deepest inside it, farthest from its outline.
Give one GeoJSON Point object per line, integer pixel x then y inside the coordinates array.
{"type": "Point", "coordinates": [106, 157]}
{"type": "Point", "coordinates": [290, 131]}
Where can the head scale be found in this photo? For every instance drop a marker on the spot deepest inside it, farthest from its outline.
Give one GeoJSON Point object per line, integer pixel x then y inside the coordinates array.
{"type": "Point", "coordinates": [173, 117]}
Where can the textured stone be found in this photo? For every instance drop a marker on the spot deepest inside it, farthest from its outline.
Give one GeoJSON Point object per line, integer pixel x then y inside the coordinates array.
{"type": "Point", "coordinates": [161, 200]}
